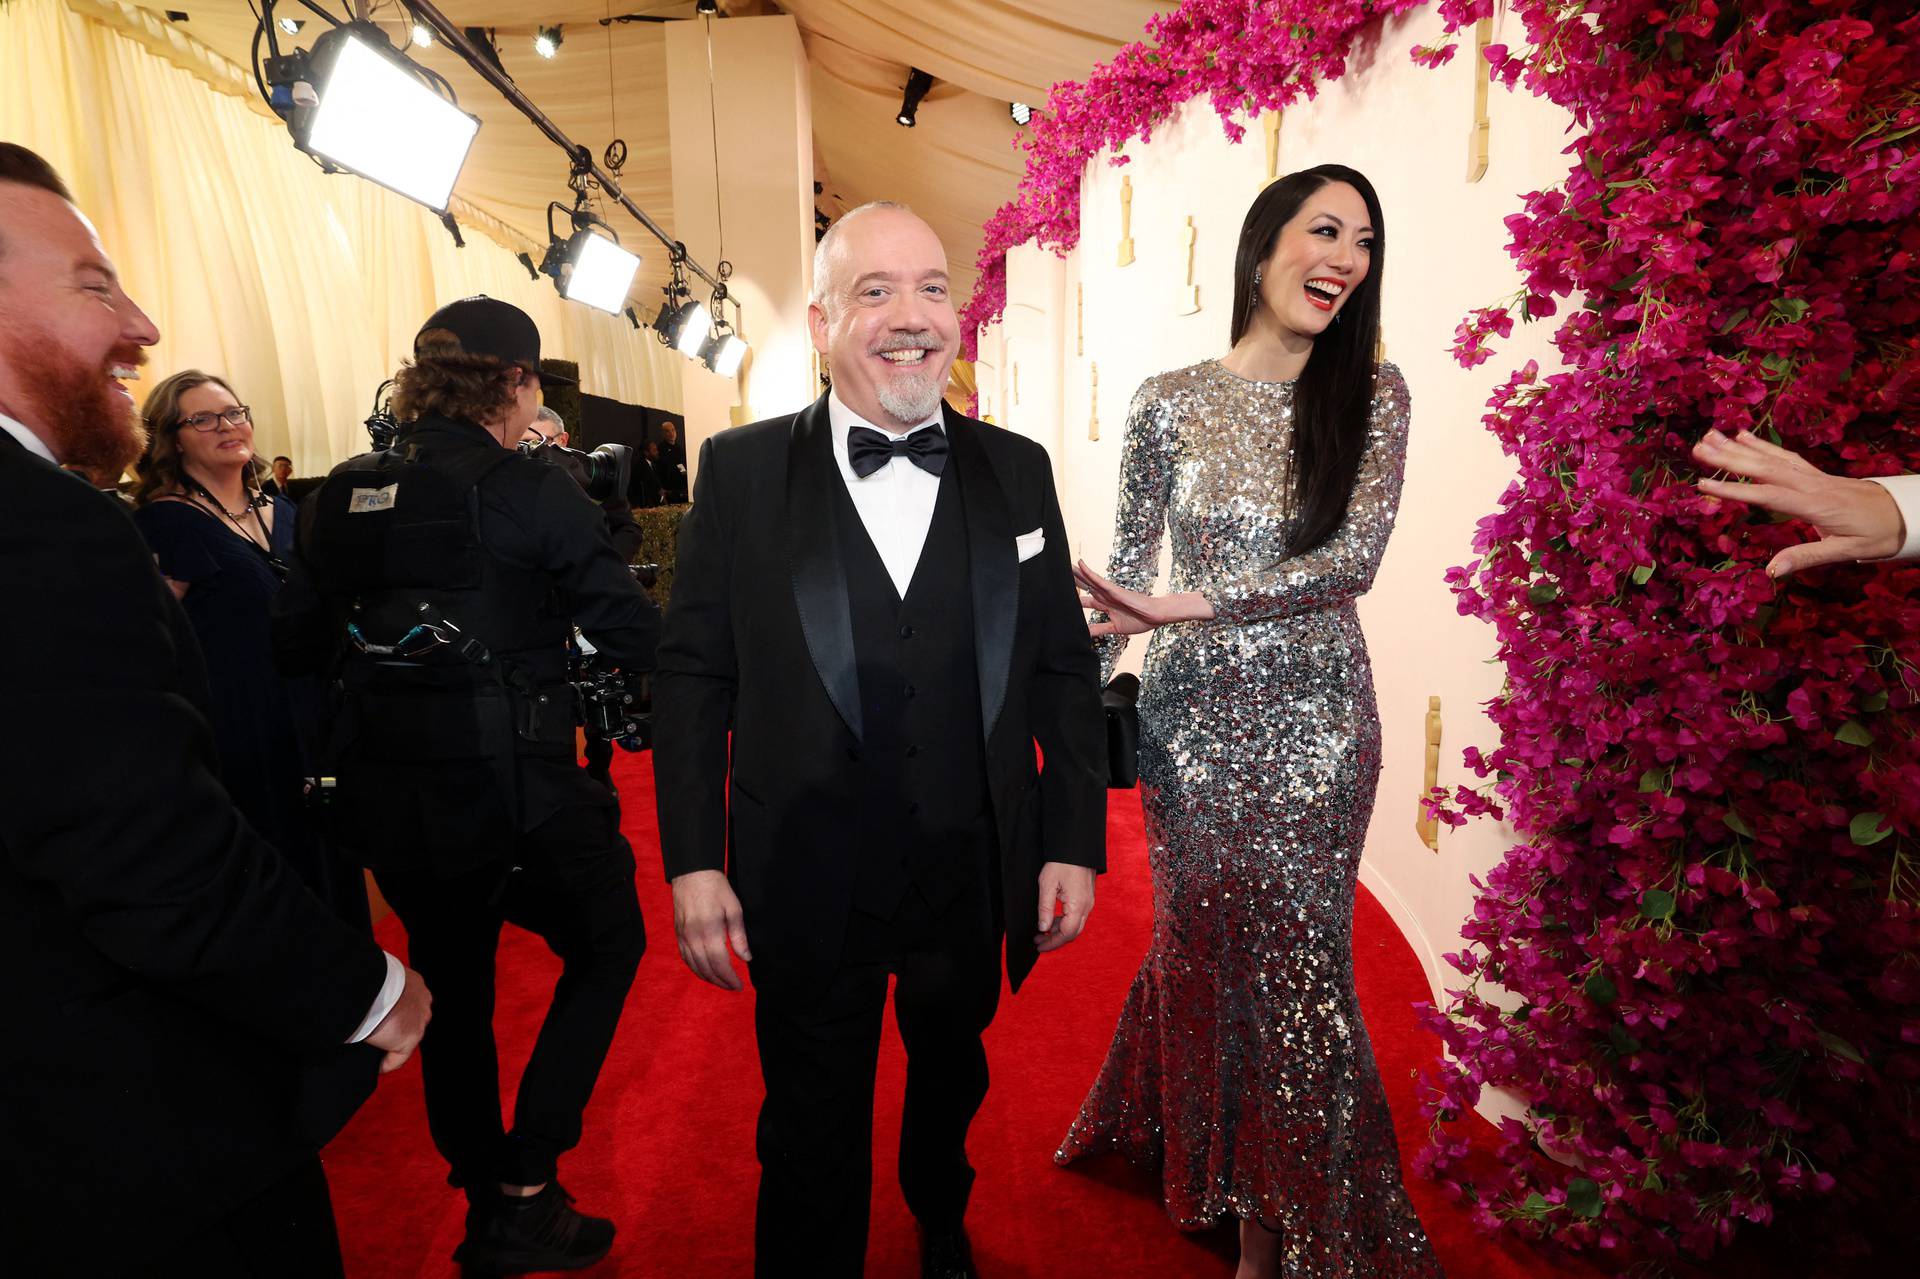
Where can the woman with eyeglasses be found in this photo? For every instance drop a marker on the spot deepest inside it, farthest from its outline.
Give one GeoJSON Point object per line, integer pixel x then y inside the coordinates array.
{"type": "Point", "coordinates": [220, 543]}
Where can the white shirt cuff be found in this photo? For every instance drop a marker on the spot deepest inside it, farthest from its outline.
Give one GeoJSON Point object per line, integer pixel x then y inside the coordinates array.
{"type": "Point", "coordinates": [1905, 490]}
{"type": "Point", "coordinates": [389, 996]}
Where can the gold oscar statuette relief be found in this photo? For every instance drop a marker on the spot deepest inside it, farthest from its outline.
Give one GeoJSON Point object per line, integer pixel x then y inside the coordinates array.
{"type": "Point", "coordinates": [1482, 79]}
{"type": "Point", "coordinates": [1271, 122]}
{"type": "Point", "coordinates": [1079, 319]}
{"type": "Point", "coordinates": [1427, 827]}
{"type": "Point", "coordinates": [1189, 292]}
{"type": "Point", "coordinates": [1126, 221]}
{"type": "Point", "coordinates": [1093, 405]}
{"type": "Point", "coordinates": [1016, 384]}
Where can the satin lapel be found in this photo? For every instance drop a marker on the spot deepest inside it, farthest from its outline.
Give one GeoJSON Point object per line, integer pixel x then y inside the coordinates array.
{"type": "Point", "coordinates": [819, 578]}
{"type": "Point", "coordinates": [993, 561]}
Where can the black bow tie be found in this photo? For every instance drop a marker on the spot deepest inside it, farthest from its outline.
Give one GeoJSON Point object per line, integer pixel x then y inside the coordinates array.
{"type": "Point", "coordinates": [869, 450]}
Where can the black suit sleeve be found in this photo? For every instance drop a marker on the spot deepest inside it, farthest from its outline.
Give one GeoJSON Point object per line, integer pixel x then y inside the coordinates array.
{"type": "Point", "coordinates": [693, 687]}
{"type": "Point", "coordinates": [600, 594]}
{"type": "Point", "coordinates": [625, 535]}
{"type": "Point", "coordinates": [108, 794]}
{"type": "Point", "coordinates": [1064, 708]}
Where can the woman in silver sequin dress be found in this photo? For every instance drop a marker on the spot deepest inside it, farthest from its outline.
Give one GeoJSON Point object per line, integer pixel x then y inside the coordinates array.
{"type": "Point", "coordinates": [1241, 1066]}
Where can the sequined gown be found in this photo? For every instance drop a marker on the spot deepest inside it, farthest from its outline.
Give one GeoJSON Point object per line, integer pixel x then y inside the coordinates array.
{"type": "Point", "coordinates": [1241, 1066]}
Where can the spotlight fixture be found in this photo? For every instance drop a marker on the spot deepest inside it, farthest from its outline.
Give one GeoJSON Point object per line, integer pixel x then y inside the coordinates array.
{"type": "Point", "coordinates": [526, 260]}
{"type": "Point", "coordinates": [918, 82]}
{"type": "Point", "coordinates": [1021, 113]}
{"type": "Point", "coordinates": [589, 266]}
{"type": "Point", "coordinates": [362, 106]}
{"type": "Point", "coordinates": [706, 8]}
{"type": "Point", "coordinates": [292, 25]}
{"type": "Point", "coordinates": [546, 41]}
{"type": "Point", "coordinates": [422, 35]}
{"type": "Point", "coordinates": [632, 319]}
{"type": "Point", "coordinates": [723, 351]}
{"type": "Point", "coordinates": [682, 323]}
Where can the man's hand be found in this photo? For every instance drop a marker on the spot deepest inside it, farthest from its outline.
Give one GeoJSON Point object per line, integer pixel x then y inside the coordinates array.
{"type": "Point", "coordinates": [398, 1033]}
{"type": "Point", "coordinates": [1071, 888]}
{"type": "Point", "coordinates": [706, 917]}
{"type": "Point", "coordinates": [1857, 519]}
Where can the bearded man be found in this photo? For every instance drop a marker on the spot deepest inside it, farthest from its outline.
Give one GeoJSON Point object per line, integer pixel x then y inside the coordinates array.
{"type": "Point", "coordinates": [170, 971]}
{"type": "Point", "coordinates": [873, 621]}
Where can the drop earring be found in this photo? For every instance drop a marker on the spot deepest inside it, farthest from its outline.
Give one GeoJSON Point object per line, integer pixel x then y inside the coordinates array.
{"type": "Point", "coordinates": [1256, 277]}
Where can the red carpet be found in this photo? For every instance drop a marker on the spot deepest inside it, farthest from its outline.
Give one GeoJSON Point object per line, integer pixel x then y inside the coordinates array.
{"type": "Point", "coordinates": [669, 1145]}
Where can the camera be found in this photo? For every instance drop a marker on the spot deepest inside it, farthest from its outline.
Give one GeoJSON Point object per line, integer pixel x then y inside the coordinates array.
{"type": "Point", "coordinates": [613, 705]}
{"type": "Point", "coordinates": [602, 473]}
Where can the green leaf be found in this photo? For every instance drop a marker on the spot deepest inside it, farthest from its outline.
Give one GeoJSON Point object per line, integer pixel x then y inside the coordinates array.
{"type": "Point", "coordinates": [1536, 1205]}
{"type": "Point", "coordinates": [1624, 1045]}
{"type": "Point", "coordinates": [1641, 573]}
{"type": "Point", "coordinates": [1737, 824]}
{"type": "Point", "coordinates": [1652, 780]}
{"type": "Point", "coordinates": [1735, 320]}
{"type": "Point", "coordinates": [1874, 701]}
{"type": "Point", "coordinates": [1789, 309]}
{"type": "Point", "coordinates": [1544, 592]}
{"type": "Point", "coordinates": [1841, 1048]}
{"type": "Point", "coordinates": [1656, 904]}
{"type": "Point", "coordinates": [1583, 1197]}
{"type": "Point", "coordinates": [1574, 761]}
{"type": "Point", "coordinates": [1868, 829]}
{"type": "Point", "coordinates": [1600, 988]}
{"type": "Point", "coordinates": [1854, 733]}
{"type": "Point", "coordinates": [1593, 162]}
{"type": "Point", "coordinates": [1654, 1182]}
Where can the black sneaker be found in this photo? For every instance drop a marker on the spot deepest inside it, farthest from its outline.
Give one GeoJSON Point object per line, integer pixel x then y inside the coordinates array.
{"type": "Point", "coordinates": [509, 1236]}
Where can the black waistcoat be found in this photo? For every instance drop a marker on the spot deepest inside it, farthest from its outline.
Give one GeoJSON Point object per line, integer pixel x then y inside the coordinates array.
{"type": "Point", "coordinates": [924, 820]}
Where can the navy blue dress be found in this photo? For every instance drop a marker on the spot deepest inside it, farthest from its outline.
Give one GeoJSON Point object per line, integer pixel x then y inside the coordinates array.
{"type": "Point", "coordinates": [264, 725]}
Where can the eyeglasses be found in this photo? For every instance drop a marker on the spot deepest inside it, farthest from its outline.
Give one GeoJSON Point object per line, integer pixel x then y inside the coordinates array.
{"type": "Point", "coordinates": [238, 415]}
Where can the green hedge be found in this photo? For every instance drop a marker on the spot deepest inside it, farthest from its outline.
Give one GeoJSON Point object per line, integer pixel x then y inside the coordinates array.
{"type": "Point", "coordinates": [660, 532]}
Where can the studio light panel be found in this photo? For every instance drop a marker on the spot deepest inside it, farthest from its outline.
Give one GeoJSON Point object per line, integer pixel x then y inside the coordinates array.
{"type": "Point", "coordinates": [381, 122]}
{"type": "Point", "coordinates": [602, 272]}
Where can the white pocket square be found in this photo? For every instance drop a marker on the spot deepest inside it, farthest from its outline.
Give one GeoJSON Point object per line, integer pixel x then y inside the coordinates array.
{"type": "Point", "coordinates": [1028, 545]}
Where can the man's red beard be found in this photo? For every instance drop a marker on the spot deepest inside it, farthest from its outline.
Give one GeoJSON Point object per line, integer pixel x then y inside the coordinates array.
{"type": "Point", "coordinates": [89, 427]}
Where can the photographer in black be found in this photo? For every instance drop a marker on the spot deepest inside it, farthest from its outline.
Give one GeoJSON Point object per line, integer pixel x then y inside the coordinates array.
{"type": "Point", "coordinates": [438, 582]}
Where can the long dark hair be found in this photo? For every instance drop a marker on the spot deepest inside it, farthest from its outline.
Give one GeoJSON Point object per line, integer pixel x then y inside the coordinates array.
{"type": "Point", "coordinates": [1334, 396]}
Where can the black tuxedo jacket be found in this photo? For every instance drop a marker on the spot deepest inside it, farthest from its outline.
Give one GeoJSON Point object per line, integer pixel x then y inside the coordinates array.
{"type": "Point", "coordinates": [167, 972]}
{"type": "Point", "coordinates": [755, 687]}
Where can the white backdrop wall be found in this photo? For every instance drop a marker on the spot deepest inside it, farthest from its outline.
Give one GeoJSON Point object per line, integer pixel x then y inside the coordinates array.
{"type": "Point", "coordinates": [1408, 130]}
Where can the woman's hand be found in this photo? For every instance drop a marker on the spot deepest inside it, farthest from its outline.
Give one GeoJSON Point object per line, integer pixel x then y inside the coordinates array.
{"type": "Point", "coordinates": [1134, 612]}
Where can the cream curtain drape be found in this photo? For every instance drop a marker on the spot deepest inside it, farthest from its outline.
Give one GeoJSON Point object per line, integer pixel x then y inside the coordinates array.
{"type": "Point", "coordinates": [1006, 50]}
{"type": "Point", "coordinates": [303, 289]}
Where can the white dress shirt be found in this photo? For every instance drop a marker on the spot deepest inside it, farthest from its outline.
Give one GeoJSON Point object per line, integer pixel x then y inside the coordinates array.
{"type": "Point", "coordinates": [396, 979]}
{"type": "Point", "coordinates": [895, 502]}
{"type": "Point", "coordinates": [28, 440]}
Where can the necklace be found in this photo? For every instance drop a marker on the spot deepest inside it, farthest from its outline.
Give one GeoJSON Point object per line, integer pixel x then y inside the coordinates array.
{"type": "Point", "coordinates": [264, 541]}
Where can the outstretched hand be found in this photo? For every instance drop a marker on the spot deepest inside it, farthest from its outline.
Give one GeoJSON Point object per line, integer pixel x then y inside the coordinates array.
{"type": "Point", "coordinates": [1856, 519]}
{"type": "Point", "coordinates": [1134, 612]}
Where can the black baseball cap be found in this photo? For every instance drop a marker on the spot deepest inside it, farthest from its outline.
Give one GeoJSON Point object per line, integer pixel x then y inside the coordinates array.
{"type": "Point", "coordinates": [488, 326]}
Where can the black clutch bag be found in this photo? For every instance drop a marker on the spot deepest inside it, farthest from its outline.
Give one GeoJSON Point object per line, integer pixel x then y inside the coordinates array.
{"type": "Point", "coordinates": [1120, 701]}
